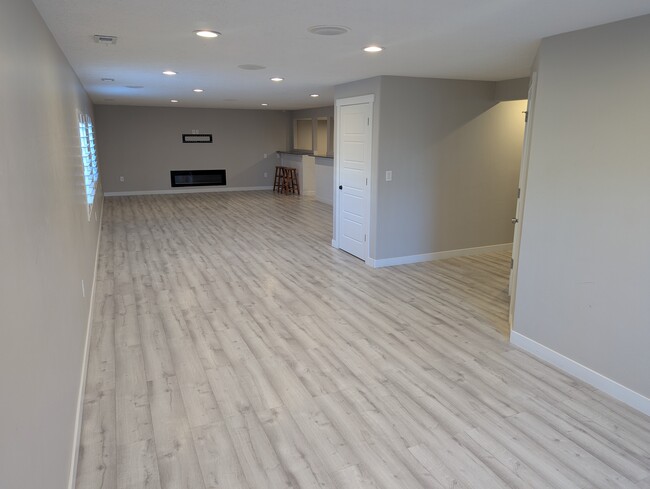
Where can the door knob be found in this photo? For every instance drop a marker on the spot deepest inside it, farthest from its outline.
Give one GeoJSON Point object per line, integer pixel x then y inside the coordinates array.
{"type": "Point", "coordinates": [514, 220]}
{"type": "Point", "coordinates": [340, 187]}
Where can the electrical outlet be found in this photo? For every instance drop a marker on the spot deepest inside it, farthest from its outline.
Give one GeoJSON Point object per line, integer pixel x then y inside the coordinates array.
{"type": "Point", "coordinates": [389, 175]}
{"type": "Point", "coordinates": [265, 155]}
{"type": "Point", "coordinates": [266, 175]}
{"type": "Point", "coordinates": [121, 179]}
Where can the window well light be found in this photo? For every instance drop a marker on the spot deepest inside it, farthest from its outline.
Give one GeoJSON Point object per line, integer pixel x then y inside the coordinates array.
{"type": "Point", "coordinates": [373, 49]}
{"type": "Point", "coordinates": [208, 34]}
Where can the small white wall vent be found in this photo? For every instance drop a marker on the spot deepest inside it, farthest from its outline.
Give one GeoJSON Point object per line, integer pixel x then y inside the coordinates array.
{"type": "Point", "coordinates": [105, 39]}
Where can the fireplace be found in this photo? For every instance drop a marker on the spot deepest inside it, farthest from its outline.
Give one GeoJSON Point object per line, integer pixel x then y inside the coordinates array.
{"type": "Point", "coordinates": [197, 178]}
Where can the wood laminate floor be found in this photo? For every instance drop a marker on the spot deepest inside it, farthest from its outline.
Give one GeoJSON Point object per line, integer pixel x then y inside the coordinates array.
{"type": "Point", "coordinates": [233, 347]}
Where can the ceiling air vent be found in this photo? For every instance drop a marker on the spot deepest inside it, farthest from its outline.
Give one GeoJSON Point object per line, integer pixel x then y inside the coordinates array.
{"type": "Point", "coordinates": [328, 30]}
{"type": "Point", "coordinates": [105, 39]}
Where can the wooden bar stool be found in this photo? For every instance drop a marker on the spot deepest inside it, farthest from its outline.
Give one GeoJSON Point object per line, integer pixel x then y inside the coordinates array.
{"type": "Point", "coordinates": [290, 181]}
{"type": "Point", "coordinates": [278, 181]}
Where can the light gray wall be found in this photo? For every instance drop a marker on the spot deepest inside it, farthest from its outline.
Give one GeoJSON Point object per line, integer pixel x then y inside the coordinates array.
{"type": "Point", "coordinates": [516, 89]}
{"type": "Point", "coordinates": [47, 247]}
{"type": "Point", "coordinates": [455, 154]}
{"type": "Point", "coordinates": [143, 144]}
{"type": "Point", "coordinates": [584, 269]}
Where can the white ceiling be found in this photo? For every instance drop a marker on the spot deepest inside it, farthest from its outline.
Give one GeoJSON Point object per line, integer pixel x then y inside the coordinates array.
{"type": "Point", "coordinates": [464, 39]}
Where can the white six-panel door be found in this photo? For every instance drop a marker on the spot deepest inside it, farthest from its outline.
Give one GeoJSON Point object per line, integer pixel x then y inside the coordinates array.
{"type": "Point", "coordinates": [353, 165]}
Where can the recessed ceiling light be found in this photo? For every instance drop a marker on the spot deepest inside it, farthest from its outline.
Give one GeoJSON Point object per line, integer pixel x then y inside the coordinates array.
{"type": "Point", "coordinates": [169, 73]}
{"type": "Point", "coordinates": [252, 67]}
{"type": "Point", "coordinates": [328, 30]}
{"type": "Point", "coordinates": [265, 105]}
{"type": "Point", "coordinates": [210, 34]}
{"type": "Point", "coordinates": [314, 95]}
{"type": "Point", "coordinates": [174, 101]}
{"type": "Point", "coordinates": [277, 79]}
{"type": "Point", "coordinates": [198, 90]}
{"type": "Point", "coordinates": [373, 49]}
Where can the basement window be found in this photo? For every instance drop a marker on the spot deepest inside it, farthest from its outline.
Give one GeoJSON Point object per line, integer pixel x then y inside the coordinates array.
{"type": "Point", "coordinates": [89, 159]}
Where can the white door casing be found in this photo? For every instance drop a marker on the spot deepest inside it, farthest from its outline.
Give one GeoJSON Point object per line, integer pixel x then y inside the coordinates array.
{"type": "Point", "coordinates": [519, 214]}
{"type": "Point", "coordinates": [352, 160]}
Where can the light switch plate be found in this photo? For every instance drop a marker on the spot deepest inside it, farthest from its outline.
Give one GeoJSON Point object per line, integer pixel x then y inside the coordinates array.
{"type": "Point", "coordinates": [389, 175]}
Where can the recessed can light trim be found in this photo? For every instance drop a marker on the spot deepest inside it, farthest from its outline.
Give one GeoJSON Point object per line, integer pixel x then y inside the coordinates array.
{"type": "Point", "coordinates": [198, 90]}
{"type": "Point", "coordinates": [277, 79]}
{"type": "Point", "coordinates": [207, 34]}
{"type": "Point", "coordinates": [265, 105]}
{"type": "Point", "coordinates": [169, 72]}
{"type": "Point", "coordinates": [373, 49]}
{"type": "Point", "coordinates": [174, 101]}
{"type": "Point", "coordinates": [314, 95]}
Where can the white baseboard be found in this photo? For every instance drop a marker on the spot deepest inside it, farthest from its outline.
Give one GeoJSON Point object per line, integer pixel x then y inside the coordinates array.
{"type": "Point", "coordinates": [439, 255]}
{"type": "Point", "coordinates": [335, 244]}
{"type": "Point", "coordinates": [309, 193]}
{"type": "Point", "coordinates": [72, 479]}
{"type": "Point", "coordinates": [591, 377]}
{"type": "Point", "coordinates": [183, 190]}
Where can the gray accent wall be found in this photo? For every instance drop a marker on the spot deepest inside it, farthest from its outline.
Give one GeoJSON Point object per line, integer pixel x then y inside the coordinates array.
{"type": "Point", "coordinates": [143, 144]}
{"type": "Point", "coordinates": [454, 151]}
{"type": "Point", "coordinates": [47, 247]}
{"type": "Point", "coordinates": [584, 269]}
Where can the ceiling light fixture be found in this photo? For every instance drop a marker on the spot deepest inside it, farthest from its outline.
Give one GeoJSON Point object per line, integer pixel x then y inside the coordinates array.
{"type": "Point", "coordinates": [208, 34]}
{"type": "Point", "coordinates": [314, 95]}
{"type": "Point", "coordinates": [265, 105]}
{"type": "Point", "coordinates": [373, 49]}
{"type": "Point", "coordinates": [328, 30]}
{"type": "Point", "coordinates": [277, 79]}
{"type": "Point", "coordinates": [174, 101]}
{"type": "Point", "coordinates": [169, 73]}
{"type": "Point", "coordinates": [198, 90]}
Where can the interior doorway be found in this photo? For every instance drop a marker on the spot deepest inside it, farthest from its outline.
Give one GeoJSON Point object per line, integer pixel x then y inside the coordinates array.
{"type": "Point", "coordinates": [353, 166]}
{"type": "Point", "coordinates": [521, 195]}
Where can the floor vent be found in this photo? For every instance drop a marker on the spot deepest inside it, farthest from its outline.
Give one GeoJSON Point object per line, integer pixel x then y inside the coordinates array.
{"type": "Point", "coordinates": [197, 178]}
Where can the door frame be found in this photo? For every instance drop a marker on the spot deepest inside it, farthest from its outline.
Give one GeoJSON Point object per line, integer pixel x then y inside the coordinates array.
{"type": "Point", "coordinates": [359, 100]}
{"type": "Point", "coordinates": [519, 214]}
